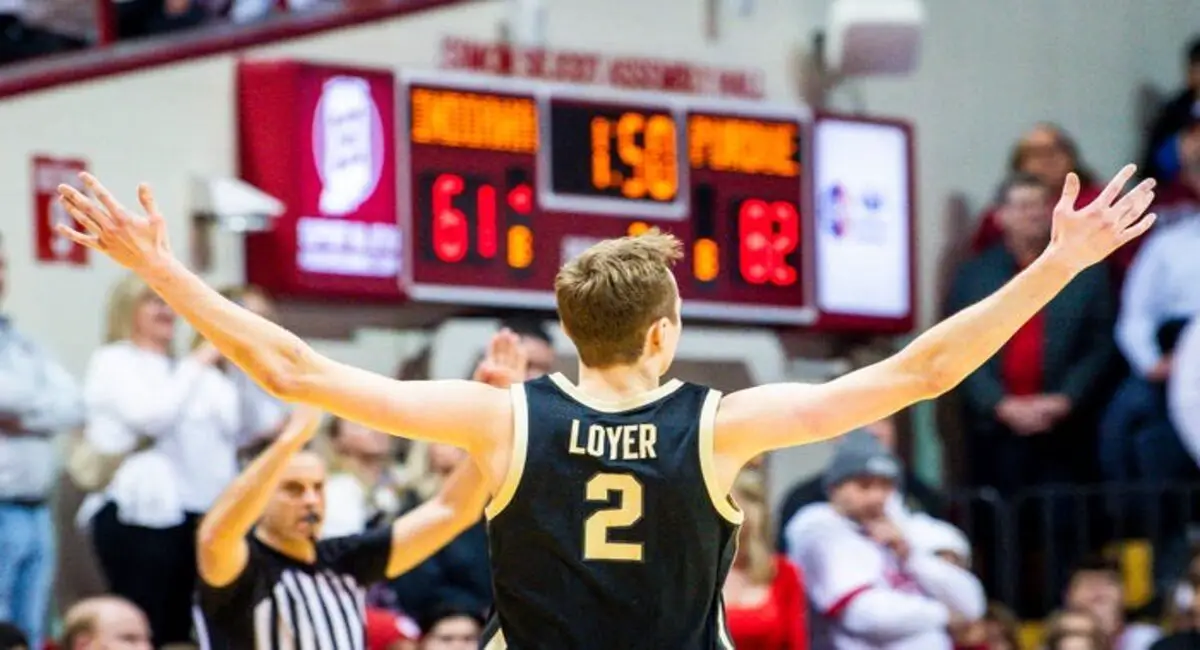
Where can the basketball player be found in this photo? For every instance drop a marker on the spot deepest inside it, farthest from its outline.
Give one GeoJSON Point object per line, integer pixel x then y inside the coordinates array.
{"type": "Point", "coordinates": [610, 523]}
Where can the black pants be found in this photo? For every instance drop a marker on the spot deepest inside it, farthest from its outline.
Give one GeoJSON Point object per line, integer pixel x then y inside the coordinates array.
{"type": "Point", "coordinates": [153, 567]}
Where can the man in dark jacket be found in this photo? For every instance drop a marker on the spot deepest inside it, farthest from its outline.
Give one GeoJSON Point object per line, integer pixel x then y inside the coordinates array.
{"type": "Point", "coordinates": [1030, 409]}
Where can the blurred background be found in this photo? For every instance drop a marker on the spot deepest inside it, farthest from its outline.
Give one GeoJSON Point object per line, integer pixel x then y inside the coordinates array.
{"type": "Point", "coordinates": [394, 180]}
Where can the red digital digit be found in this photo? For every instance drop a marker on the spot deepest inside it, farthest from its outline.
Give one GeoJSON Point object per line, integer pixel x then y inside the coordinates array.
{"type": "Point", "coordinates": [485, 233]}
{"type": "Point", "coordinates": [520, 199]}
{"type": "Point", "coordinates": [449, 223]}
{"type": "Point", "coordinates": [767, 234]}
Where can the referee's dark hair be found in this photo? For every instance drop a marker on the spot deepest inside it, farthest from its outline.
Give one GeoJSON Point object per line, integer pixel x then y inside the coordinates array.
{"type": "Point", "coordinates": [12, 638]}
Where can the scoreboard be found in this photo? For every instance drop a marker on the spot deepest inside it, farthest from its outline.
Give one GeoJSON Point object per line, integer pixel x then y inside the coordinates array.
{"type": "Point", "coordinates": [507, 180]}
{"type": "Point", "coordinates": [787, 218]}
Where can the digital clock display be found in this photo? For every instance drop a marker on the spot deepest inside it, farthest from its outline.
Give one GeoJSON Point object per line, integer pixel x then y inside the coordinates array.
{"type": "Point", "coordinates": [628, 153]}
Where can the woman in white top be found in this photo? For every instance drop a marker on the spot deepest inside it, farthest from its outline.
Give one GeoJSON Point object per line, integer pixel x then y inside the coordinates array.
{"type": "Point", "coordinates": [176, 421]}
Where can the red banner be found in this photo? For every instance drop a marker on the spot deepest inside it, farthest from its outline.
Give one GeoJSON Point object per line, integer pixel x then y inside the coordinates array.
{"type": "Point", "coordinates": [47, 174]}
{"type": "Point", "coordinates": [322, 139]}
{"type": "Point", "coordinates": [632, 72]}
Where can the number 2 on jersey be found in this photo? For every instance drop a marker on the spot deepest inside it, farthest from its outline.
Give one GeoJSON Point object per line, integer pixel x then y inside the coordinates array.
{"type": "Point", "coordinates": [627, 513]}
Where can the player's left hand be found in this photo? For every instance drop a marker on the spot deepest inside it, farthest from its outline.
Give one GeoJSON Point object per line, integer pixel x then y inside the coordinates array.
{"type": "Point", "coordinates": [134, 241]}
{"type": "Point", "coordinates": [1086, 236]}
{"type": "Point", "coordinates": [505, 362]}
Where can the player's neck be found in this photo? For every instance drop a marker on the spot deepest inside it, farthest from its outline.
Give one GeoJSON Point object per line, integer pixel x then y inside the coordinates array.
{"type": "Point", "coordinates": [301, 550]}
{"type": "Point", "coordinates": [617, 383]}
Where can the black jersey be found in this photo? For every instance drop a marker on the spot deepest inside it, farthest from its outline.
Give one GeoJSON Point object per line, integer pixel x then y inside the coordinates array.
{"type": "Point", "coordinates": [279, 603]}
{"type": "Point", "coordinates": [607, 531]}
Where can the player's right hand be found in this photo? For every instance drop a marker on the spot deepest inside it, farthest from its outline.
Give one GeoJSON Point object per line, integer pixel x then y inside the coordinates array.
{"type": "Point", "coordinates": [134, 241]}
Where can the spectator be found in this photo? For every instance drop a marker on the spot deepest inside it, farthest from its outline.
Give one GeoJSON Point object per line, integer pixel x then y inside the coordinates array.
{"type": "Point", "coordinates": [364, 490]}
{"type": "Point", "coordinates": [999, 630]}
{"type": "Point", "coordinates": [451, 627]}
{"type": "Point", "coordinates": [38, 399]}
{"type": "Point", "coordinates": [32, 28]}
{"type": "Point", "coordinates": [871, 589]}
{"type": "Point", "coordinates": [1187, 637]}
{"type": "Point", "coordinates": [1075, 622]}
{"type": "Point", "coordinates": [912, 492]}
{"type": "Point", "coordinates": [105, 623]}
{"type": "Point", "coordinates": [1163, 287]}
{"type": "Point", "coordinates": [764, 597]}
{"type": "Point", "coordinates": [1047, 153]}
{"type": "Point", "coordinates": [12, 638]}
{"type": "Point", "coordinates": [1164, 281]}
{"type": "Point", "coordinates": [1183, 391]}
{"type": "Point", "coordinates": [1058, 640]}
{"type": "Point", "coordinates": [1137, 439]}
{"type": "Point", "coordinates": [1095, 587]}
{"type": "Point", "coordinates": [388, 631]}
{"type": "Point", "coordinates": [178, 451]}
{"type": "Point", "coordinates": [138, 18]}
{"type": "Point", "coordinates": [1171, 118]}
{"type": "Point", "coordinates": [1022, 406]}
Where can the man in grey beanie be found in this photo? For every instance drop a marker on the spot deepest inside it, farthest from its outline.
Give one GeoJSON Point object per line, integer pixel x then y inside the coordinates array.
{"type": "Point", "coordinates": [913, 493]}
{"type": "Point", "coordinates": [860, 454]}
{"type": "Point", "coordinates": [869, 587]}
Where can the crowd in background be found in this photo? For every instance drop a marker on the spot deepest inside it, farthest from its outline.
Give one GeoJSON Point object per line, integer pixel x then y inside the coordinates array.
{"type": "Point", "coordinates": [30, 29]}
{"type": "Point", "coordinates": [1100, 388]}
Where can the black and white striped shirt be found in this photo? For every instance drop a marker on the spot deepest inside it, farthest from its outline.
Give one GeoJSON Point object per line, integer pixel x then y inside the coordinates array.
{"type": "Point", "coordinates": [279, 603]}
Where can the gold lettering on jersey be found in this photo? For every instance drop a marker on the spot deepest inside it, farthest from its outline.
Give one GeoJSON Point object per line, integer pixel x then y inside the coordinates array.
{"type": "Point", "coordinates": [623, 442]}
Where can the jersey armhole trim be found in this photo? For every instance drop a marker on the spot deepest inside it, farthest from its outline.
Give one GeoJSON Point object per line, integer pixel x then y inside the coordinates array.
{"type": "Point", "coordinates": [520, 449]}
{"type": "Point", "coordinates": [497, 642]}
{"type": "Point", "coordinates": [708, 464]}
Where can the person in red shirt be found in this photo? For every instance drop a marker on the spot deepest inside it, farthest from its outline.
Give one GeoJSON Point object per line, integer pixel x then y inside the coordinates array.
{"type": "Point", "coordinates": [765, 605]}
{"type": "Point", "coordinates": [1028, 411]}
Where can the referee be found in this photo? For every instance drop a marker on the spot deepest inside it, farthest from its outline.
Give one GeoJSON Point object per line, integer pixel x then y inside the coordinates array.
{"type": "Point", "coordinates": [267, 583]}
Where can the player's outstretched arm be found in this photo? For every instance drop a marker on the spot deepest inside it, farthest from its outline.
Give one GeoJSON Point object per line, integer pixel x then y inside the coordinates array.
{"type": "Point", "coordinates": [435, 523]}
{"type": "Point", "coordinates": [221, 550]}
{"type": "Point", "coordinates": [773, 416]}
{"type": "Point", "coordinates": [278, 360]}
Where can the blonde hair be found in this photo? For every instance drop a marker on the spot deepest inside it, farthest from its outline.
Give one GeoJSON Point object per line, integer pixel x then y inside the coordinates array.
{"type": "Point", "coordinates": [82, 619]}
{"type": "Point", "coordinates": [123, 301]}
{"type": "Point", "coordinates": [755, 547]}
{"type": "Point", "coordinates": [613, 292]}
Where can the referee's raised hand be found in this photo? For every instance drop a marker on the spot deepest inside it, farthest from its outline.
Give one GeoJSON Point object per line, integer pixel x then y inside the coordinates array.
{"type": "Point", "coordinates": [222, 552]}
{"type": "Point", "coordinates": [302, 424]}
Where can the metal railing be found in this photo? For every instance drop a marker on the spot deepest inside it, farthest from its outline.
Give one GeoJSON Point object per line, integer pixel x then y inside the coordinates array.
{"type": "Point", "coordinates": [1025, 545]}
